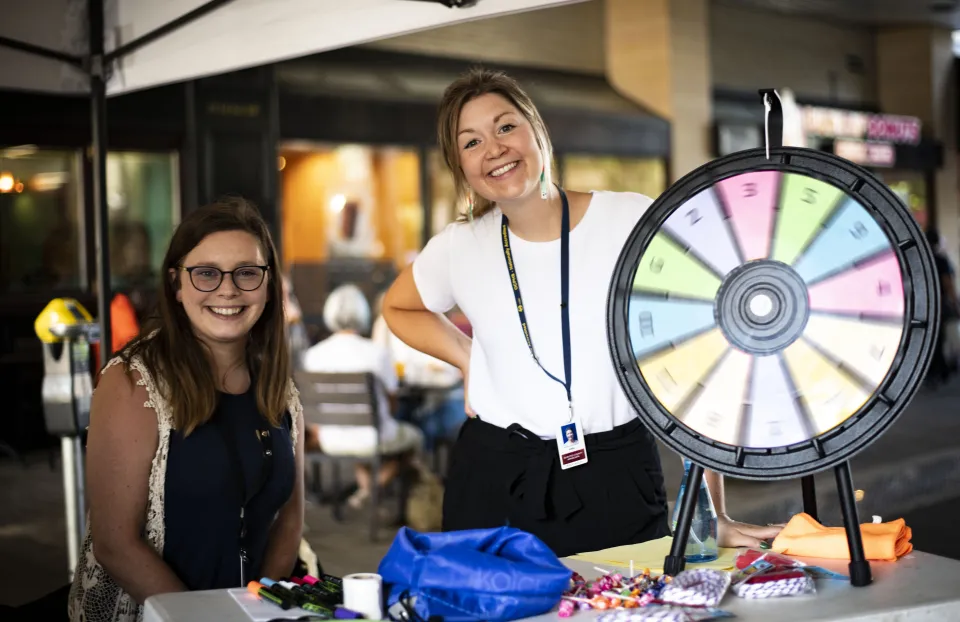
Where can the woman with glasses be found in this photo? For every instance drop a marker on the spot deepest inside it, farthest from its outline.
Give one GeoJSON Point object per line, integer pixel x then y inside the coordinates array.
{"type": "Point", "coordinates": [195, 450]}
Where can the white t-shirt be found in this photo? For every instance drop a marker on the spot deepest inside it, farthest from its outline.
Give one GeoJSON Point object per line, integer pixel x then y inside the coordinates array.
{"type": "Point", "coordinates": [345, 353]}
{"type": "Point", "coordinates": [464, 265]}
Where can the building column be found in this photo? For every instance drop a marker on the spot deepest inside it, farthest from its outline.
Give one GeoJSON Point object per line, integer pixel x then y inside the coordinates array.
{"type": "Point", "coordinates": [915, 76]}
{"type": "Point", "coordinates": [233, 131]}
{"type": "Point", "coordinates": [658, 55]}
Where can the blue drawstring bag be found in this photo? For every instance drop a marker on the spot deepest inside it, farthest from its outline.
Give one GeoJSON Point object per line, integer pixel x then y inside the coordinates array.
{"type": "Point", "coordinates": [479, 574]}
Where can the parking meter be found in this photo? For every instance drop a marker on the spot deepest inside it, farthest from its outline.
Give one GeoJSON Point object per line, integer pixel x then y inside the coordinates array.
{"type": "Point", "coordinates": [67, 331]}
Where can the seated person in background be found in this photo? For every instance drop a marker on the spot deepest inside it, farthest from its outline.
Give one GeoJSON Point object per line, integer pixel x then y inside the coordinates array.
{"type": "Point", "coordinates": [347, 314]}
{"type": "Point", "coordinates": [442, 411]}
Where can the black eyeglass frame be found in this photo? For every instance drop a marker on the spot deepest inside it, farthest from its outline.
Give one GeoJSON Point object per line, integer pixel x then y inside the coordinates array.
{"type": "Point", "coordinates": [223, 273]}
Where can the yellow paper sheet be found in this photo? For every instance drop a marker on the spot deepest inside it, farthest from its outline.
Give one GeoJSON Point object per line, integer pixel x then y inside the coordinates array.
{"type": "Point", "coordinates": [649, 555]}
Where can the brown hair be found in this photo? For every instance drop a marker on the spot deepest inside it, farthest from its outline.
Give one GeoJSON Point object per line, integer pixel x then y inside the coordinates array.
{"type": "Point", "coordinates": [178, 360]}
{"type": "Point", "coordinates": [471, 85]}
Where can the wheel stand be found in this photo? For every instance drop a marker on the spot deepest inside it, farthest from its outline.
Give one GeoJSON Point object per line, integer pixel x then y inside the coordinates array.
{"type": "Point", "coordinates": [859, 566]}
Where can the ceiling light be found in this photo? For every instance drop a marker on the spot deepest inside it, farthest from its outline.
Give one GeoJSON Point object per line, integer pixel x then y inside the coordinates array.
{"type": "Point", "coordinates": [20, 151]}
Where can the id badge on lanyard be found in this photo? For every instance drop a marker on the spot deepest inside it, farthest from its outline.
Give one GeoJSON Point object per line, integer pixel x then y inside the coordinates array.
{"type": "Point", "coordinates": [571, 445]}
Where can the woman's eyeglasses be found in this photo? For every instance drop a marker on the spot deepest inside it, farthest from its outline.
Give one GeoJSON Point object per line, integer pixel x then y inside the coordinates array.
{"type": "Point", "coordinates": [208, 278]}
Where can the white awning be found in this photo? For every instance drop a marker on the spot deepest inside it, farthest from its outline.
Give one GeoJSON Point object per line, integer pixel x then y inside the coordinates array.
{"type": "Point", "coordinates": [240, 34]}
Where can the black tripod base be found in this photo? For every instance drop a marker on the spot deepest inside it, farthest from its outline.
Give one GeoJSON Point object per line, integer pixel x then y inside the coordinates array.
{"type": "Point", "coordinates": [674, 564]}
{"type": "Point", "coordinates": [860, 574]}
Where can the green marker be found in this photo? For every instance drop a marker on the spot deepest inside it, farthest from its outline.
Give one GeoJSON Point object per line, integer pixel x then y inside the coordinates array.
{"type": "Point", "coordinates": [258, 589]}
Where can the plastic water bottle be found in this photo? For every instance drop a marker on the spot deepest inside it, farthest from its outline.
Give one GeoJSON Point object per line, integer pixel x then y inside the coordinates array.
{"type": "Point", "coordinates": [702, 541]}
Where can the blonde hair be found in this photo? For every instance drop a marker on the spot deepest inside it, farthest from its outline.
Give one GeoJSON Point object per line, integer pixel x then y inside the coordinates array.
{"type": "Point", "coordinates": [469, 86]}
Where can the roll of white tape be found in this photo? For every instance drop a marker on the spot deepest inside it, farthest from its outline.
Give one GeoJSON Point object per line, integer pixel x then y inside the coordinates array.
{"type": "Point", "coordinates": [363, 593]}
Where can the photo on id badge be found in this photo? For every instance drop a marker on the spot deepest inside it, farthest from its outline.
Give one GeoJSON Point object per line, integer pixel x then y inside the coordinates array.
{"type": "Point", "coordinates": [573, 451]}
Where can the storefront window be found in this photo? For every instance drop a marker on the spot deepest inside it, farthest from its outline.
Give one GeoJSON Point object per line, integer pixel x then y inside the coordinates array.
{"type": "Point", "coordinates": [644, 175]}
{"type": "Point", "coordinates": [144, 207]}
{"type": "Point", "coordinates": [41, 241]}
{"type": "Point", "coordinates": [911, 187]}
{"type": "Point", "coordinates": [350, 201]}
{"type": "Point", "coordinates": [445, 208]}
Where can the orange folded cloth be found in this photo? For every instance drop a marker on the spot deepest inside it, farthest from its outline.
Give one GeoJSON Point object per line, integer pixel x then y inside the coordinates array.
{"type": "Point", "coordinates": [805, 537]}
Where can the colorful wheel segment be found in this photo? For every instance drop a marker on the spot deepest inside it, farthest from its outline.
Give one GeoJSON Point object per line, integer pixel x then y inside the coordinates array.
{"type": "Point", "coordinates": [766, 309]}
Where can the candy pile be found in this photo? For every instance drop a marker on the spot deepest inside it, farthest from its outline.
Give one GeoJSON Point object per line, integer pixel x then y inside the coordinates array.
{"type": "Point", "coordinates": [612, 591]}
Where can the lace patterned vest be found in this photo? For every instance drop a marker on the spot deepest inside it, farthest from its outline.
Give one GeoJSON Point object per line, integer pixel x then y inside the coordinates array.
{"type": "Point", "coordinates": [94, 595]}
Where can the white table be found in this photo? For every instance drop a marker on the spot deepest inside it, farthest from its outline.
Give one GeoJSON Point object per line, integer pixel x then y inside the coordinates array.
{"type": "Point", "coordinates": [919, 588]}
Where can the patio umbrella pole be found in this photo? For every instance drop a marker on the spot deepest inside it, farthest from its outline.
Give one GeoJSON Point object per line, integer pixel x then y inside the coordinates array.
{"type": "Point", "coordinates": [98, 156]}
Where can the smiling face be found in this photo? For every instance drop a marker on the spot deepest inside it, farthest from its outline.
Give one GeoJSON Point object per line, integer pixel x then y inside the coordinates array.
{"type": "Point", "coordinates": [499, 154]}
{"type": "Point", "coordinates": [569, 435]}
{"type": "Point", "coordinates": [226, 314]}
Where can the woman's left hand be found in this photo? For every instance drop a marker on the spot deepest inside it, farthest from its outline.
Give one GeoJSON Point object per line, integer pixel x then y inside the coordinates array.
{"type": "Point", "coordinates": [732, 534]}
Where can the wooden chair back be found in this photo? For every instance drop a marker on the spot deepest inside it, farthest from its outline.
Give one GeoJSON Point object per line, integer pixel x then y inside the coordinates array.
{"type": "Point", "coordinates": [347, 399]}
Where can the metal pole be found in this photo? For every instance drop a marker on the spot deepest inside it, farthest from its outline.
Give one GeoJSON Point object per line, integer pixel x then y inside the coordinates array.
{"type": "Point", "coordinates": [677, 559]}
{"type": "Point", "coordinates": [153, 35]}
{"type": "Point", "coordinates": [37, 50]}
{"type": "Point", "coordinates": [68, 449]}
{"type": "Point", "coordinates": [98, 108]}
{"type": "Point", "coordinates": [860, 574]}
{"type": "Point", "coordinates": [809, 488]}
{"type": "Point", "coordinates": [79, 475]}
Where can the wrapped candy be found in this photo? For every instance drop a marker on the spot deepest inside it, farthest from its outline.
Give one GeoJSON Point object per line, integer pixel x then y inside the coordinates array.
{"type": "Point", "coordinates": [701, 587]}
{"type": "Point", "coordinates": [776, 584]}
{"type": "Point", "coordinates": [613, 592]}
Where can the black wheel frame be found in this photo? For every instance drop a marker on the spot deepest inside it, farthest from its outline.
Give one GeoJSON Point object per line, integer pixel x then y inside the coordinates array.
{"type": "Point", "coordinates": [920, 321]}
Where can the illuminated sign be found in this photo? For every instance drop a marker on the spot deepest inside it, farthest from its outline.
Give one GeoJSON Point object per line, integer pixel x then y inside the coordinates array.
{"type": "Point", "coordinates": [836, 123]}
{"type": "Point", "coordinates": [866, 153]}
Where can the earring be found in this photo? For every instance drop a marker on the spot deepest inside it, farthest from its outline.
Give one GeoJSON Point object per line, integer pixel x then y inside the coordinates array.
{"type": "Point", "coordinates": [543, 183]}
{"type": "Point", "coordinates": [470, 207]}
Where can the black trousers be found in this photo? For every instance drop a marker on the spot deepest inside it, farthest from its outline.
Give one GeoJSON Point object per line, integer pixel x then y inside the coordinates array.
{"type": "Point", "coordinates": [511, 477]}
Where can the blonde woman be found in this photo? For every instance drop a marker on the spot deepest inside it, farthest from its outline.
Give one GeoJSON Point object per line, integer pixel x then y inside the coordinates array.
{"type": "Point", "coordinates": [533, 366]}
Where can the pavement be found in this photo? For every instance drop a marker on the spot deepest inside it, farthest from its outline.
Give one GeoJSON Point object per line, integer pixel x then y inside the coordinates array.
{"type": "Point", "coordinates": [913, 471]}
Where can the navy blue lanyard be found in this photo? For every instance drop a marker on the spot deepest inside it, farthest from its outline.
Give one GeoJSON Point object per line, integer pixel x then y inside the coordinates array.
{"type": "Point", "coordinates": [564, 294]}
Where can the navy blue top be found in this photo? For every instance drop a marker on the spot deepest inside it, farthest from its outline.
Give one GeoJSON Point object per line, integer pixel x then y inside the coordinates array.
{"type": "Point", "coordinates": [202, 505]}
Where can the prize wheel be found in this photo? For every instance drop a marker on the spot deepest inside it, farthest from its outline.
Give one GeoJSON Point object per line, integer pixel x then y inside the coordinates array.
{"type": "Point", "coordinates": [771, 317]}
